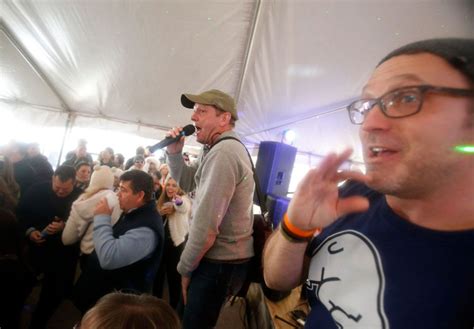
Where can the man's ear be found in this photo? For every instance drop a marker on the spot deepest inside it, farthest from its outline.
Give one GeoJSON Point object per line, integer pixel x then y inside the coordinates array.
{"type": "Point", "coordinates": [225, 118]}
{"type": "Point", "coordinates": [141, 196]}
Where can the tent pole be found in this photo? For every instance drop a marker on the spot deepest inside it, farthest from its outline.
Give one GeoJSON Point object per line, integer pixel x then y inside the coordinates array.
{"type": "Point", "coordinates": [248, 50]}
{"type": "Point", "coordinates": [67, 130]}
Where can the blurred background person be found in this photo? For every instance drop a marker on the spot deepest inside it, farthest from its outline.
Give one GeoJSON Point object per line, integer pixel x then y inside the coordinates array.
{"type": "Point", "coordinates": [24, 174]}
{"type": "Point", "coordinates": [83, 175]}
{"type": "Point", "coordinates": [164, 171]}
{"type": "Point", "coordinates": [119, 160]}
{"type": "Point", "coordinates": [151, 165]}
{"type": "Point", "coordinates": [140, 151]}
{"type": "Point", "coordinates": [40, 163]}
{"type": "Point", "coordinates": [78, 155]}
{"type": "Point", "coordinates": [138, 163]}
{"type": "Point", "coordinates": [8, 180]}
{"type": "Point", "coordinates": [157, 188]}
{"type": "Point", "coordinates": [106, 157]}
{"type": "Point", "coordinates": [117, 173]}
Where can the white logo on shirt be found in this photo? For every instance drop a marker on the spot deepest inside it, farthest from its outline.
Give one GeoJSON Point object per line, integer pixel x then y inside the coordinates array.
{"type": "Point", "coordinates": [346, 275]}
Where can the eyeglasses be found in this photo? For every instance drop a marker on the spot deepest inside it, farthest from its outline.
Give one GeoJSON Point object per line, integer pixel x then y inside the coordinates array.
{"type": "Point", "coordinates": [401, 102]}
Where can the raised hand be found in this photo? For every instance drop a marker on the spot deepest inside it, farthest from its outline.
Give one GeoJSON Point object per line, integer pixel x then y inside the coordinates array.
{"type": "Point", "coordinates": [316, 202]}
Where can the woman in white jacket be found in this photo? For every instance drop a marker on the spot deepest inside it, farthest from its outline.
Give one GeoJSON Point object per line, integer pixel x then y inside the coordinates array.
{"type": "Point", "coordinates": [79, 224]}
{"type": "Point", "coordinates": [175, 209]}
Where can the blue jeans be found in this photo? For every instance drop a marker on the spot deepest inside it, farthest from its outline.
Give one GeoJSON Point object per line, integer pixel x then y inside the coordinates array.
{"type": "Point", "coordinates": [211, 283]}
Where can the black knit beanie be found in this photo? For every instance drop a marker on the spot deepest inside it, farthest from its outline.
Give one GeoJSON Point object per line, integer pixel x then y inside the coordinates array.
{"type": "Point", "coordinates": [457, 52]}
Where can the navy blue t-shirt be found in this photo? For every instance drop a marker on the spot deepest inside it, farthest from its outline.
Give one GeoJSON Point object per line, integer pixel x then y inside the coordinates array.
{"type": "Point", "coordinates": [377, 270]}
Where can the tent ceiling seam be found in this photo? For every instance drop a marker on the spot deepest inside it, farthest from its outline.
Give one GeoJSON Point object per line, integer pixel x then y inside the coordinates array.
{"type": "Point", "coordinates": [26, 55]}
{"type": "Point", "coordinates": [317, 116]}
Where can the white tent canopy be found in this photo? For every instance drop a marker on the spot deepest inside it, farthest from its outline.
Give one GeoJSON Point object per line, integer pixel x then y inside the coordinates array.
{"type": "Point", "coordinates": [122, 65]}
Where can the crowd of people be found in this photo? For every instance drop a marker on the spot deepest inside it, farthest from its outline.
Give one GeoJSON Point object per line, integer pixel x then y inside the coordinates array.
{"type": "Point", "coordinates": [98, 215]}
{"type": "Point", "coordinates": [391, 248]}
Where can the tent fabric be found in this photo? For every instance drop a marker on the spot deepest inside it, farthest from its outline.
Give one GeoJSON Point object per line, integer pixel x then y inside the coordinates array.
{"type": "Point", "coordinates": [290, 64]}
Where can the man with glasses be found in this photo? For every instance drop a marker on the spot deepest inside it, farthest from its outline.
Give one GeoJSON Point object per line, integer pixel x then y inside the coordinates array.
{"type": "Point", "coordinates": [397, 244]}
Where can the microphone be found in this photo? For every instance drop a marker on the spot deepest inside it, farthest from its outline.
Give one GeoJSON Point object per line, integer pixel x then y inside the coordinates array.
{"type": "Point", "coordinates": [187, 130]}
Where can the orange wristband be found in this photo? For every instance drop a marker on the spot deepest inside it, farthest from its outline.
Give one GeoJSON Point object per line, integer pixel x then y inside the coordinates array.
{"type": "Point", "coordinates": [304, 234]}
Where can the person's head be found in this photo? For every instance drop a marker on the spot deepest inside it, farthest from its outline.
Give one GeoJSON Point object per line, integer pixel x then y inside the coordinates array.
{"type": "Point", "coordinates": [164, 170]}
{"type": "Point", "coordinates": [16, 151]}
{"type": "Point", "coordinates": [135, 189]}
{"type": "Point", "coordinates": [124, 310]}
{"type": "Point", "coordinates": [151, 165]}
{"type": "Point", "coordinates": [33, 150]}
{"type": "Point", "coordinates": [102, 179]}
{"type": "Point", "coordinates": [156, 180]}
{"type": "Point", "coordinates": [140, 151]}
{"type": "Point", "coordinates": [170, 191]}
{"type": "Point", "coordinates": [214, 113]}
{"type": "Point", "coordinates": [117, 173]}
{"type": "Point", "coordinates": [107, 155]}
{"type": "Point", "coordinates": [139, 162]}
{"type": "Point", "coordinates": [64, 178]}
{"type": "Point", "coordinates": [83, 172]}
{"type": "Point", "coordinates": [81, 149]}
{"type": "Point", "coordinates": [119, 159]}
{"type": "Point", "coordinates": [427, 90]}
{"type": "Point", "coordinates": [171, 188]}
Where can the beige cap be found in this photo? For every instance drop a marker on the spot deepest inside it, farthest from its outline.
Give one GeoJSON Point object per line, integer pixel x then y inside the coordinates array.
{"type": "Point", "coordinates": [213, 97]}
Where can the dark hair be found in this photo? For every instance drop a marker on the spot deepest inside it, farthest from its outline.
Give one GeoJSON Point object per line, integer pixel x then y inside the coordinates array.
{"type": "Point", "coordinates": [82, 163]}
{"type": "Point", "coordinates": [456, 51]}
{"type": "Point", "coordinates": [125, 310]}
{"type": "Point", "coordinates": [110, 150]}
{"type": "Point", "coordinates": [65, 173]}
{"type": "Point", "coordinates": [120, 158]}
{"type": "Point", "coordinates": [140, 150]}
{"type": "Point", "coordinates": [139, 158]}
{"type": "Point", "coordinates": [139, 181]}
{"type": "Point", "coordinates": [22, 148]}
{"type": "Point", "coordinates": [156, 174]}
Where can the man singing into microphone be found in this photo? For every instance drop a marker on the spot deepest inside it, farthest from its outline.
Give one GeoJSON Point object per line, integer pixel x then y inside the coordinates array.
{"type": "Point", "coordinates": [215, 260]}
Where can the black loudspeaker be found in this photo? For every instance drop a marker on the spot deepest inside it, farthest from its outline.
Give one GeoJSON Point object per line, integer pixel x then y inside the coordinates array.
{"type": "Point", "coordinates": [274, 166]}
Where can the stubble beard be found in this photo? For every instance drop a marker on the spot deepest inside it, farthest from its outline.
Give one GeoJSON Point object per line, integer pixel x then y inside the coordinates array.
{"type": "Point", "coordinates": [411, 180]}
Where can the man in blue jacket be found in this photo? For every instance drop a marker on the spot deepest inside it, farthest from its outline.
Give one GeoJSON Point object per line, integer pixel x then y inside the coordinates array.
{"type": "Point", "coordinates": [127, 254]}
